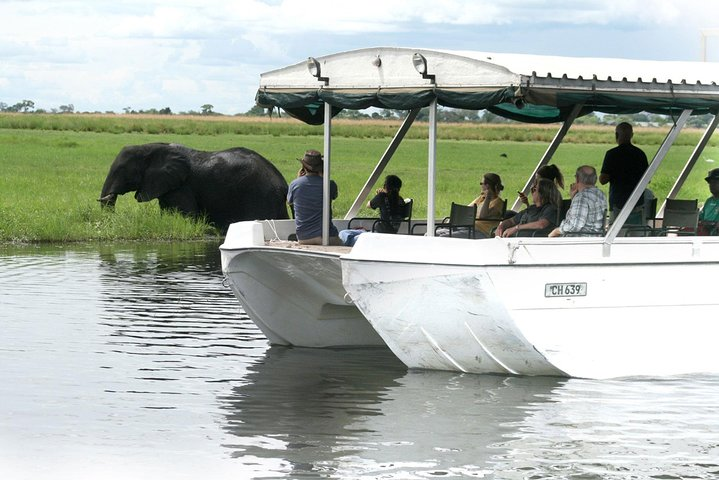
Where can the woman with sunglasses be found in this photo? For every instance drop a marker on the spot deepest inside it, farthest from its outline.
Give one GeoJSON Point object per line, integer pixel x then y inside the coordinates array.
{"type": "Point", "coordinates": [536, 220]}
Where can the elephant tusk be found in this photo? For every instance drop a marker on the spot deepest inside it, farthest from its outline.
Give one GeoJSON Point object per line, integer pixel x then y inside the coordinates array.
{"type": "Point", "coordinates": [108, 201]}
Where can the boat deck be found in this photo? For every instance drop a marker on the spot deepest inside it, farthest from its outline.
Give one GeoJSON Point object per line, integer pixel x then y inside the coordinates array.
{"type": "Point", "coordinates": [338, 249]}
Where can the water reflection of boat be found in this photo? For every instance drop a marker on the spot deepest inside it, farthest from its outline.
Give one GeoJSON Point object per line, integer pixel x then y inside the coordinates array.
{"type": "Point", "coordinates": [357, 413]}
{"type": "Point", "coordinates": [581, 312]}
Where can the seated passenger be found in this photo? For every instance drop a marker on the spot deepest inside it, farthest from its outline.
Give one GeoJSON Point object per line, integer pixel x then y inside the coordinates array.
{"type": "Point", "coordinates": [391, 210]}
{"type": "Point", "coordinates": [709, 214]}
{"type": "Point", "coordinates": [585, 217]}
{"type": "Point", "coordinates": [550, 172]}
{"type": "Point", "coordinates": [305, 196]}
{"type": "Point", "coordinates": [490, 206]}
{"type": "Point", "coordinates": [537, 219]}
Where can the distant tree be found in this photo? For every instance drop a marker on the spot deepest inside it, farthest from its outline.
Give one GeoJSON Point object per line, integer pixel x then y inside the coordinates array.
{"type": "Point", "coordinates": [423, 115]}
{"type": "Point", "coordinates": [489, 117]}
{"type": "Point", "coordinates": [699, 121]}
{"type": "Point", "coordinates": [256, 111]}
{"type": "Point", "coordinates": [165, 111]}
{"type": "Point", "coordinates": [455, 115]}
{"type": "Point", "coordinates": [388, 113]}
{"type": "Point", "coordinates": [207, 109]}
{"type": "Point", "coordinates": [353, 114]}
{"type": "Point", "coordinates": [69, 108]}
{"type": "Point", "coordinates": [3, 107]}
{"type": "Point", "coordinates": [589, 119]}
{"type": "Point", "coordinates": [26, 106]}
{"type": "Point", "coordinates": [127, 109]}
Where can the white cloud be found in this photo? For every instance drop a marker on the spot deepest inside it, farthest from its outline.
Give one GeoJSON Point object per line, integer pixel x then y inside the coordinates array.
{"type": "Point", "coordinates": [156, 53]}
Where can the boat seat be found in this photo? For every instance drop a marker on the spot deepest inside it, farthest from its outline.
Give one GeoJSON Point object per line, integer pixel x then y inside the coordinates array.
{"type": "Point", "coordinates": [461, 218]}
{"type": "Point", "coordinates": [562, 212]}
{"type": "Point", "coordinates": [459, 223]}
{"type": "Point", "coordinates": [638, 222]}
{"type": "Point", "coordinates": [408, 206]}
{"type": "Point", "coordinates": [681, 217]}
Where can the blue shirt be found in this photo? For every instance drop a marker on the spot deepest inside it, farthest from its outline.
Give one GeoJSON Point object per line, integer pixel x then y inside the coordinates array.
{"type": "Point", "coordinates": [305, 195]}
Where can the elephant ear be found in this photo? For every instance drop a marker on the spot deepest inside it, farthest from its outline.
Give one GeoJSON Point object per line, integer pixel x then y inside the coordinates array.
{"type": "Point", "coordinates": [166, 171]}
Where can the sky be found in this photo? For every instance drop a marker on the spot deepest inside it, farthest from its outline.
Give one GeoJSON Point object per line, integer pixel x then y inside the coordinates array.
{"type": "Point", "coordinates": [100, 55]}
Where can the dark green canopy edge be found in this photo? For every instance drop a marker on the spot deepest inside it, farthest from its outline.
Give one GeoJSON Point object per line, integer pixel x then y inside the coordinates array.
{"type": "Point", "coordinates": [308, 106]}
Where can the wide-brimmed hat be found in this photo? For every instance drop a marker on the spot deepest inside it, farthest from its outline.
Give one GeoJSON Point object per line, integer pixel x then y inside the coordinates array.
{"type": "Point", "coordinates": [713, 175]}
{"type": "Point", "coordinates": [312, 161]}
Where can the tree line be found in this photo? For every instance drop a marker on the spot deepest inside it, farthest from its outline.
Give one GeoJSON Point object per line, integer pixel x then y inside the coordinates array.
{"type": "Point", "coordinates": [448, 115]}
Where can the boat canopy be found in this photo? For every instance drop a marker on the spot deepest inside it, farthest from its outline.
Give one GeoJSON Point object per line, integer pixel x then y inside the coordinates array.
{"type": "Point", "coordinates": [528, 88]}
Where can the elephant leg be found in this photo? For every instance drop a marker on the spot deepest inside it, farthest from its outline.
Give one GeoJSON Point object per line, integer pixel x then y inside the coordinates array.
{"type": "Point", "coordinates": [183, 200]}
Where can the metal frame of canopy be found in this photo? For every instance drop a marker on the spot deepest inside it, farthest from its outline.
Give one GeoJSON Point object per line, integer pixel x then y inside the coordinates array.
{"type": "Point", "coordinates": [498, 82]}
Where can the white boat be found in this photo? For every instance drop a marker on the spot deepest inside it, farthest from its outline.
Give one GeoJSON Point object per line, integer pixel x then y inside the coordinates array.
{"type": "Point", "coordinates": [588, 307]}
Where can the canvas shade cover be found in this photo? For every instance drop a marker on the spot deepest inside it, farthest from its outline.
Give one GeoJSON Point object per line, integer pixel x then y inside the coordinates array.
{"type": "Point", "coordinates": [528, 88]}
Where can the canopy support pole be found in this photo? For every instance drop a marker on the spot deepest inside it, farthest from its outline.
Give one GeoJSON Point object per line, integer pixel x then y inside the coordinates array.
{"type": "Point", "coordinates": [689, 166]}
{"type": "Point", "coordinates": [431, 164]}
{"type": "Point", "coordinates": [383, 161]}
{"type": "Point", "coordinates": [326, 200]}
{"type": "Point", "coordinates": [549, 152]}
{"type": "Point", "coordinates": [642, 185]}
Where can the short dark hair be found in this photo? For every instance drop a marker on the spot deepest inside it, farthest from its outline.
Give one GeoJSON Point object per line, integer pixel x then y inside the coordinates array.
{"type": "Point", "coordinates": [624, 132]}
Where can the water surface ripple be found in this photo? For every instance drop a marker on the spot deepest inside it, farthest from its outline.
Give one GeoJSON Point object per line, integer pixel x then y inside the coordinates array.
{"type": "Point", "coordinates": [134, 362]}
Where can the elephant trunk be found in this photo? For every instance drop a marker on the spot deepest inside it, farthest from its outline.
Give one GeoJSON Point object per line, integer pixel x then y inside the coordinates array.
{"type": "Point", "coordinates": [108, 201]}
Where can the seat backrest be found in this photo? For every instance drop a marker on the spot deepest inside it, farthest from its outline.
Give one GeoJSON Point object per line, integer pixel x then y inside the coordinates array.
{"type": "Point", "coordinates": [462, 215]}
{"type": "Point", "coordinates": [562, 213]}
{"type": "Point", "coordinates": [680, 219]}
{"type": "Point", "coordinates": [649, 212]}
{"type": "Point", "coordinates": [408, 205]}
{"type": "Point", "coordinates": [681, 205]}
{"type": "Point", "coordinates": [681, 214]}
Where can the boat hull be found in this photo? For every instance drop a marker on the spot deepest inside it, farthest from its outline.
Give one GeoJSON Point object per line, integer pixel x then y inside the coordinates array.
{"type": "Point", "coordinates": [294, 296]}
{"type": "Point", "coordinates": [542, 307]}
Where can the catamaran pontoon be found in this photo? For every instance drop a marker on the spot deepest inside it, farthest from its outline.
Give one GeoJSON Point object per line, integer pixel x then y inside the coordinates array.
{"type": "Point", "coordinates": [590, 307]}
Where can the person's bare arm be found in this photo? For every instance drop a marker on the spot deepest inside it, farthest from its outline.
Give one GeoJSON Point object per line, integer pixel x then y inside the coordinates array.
{"type": "Point", "coordinates": [536, 225]}
{"type": "Point", "coordinates": [484, 208]}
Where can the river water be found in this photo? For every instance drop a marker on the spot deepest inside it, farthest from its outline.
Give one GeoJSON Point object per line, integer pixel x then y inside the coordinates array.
{"type": "Point", "coordinates": [134, 362]}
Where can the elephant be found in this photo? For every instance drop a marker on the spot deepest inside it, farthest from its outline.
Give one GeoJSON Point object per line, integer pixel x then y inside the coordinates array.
{"type": "Point", "coordinates": [227, 186]}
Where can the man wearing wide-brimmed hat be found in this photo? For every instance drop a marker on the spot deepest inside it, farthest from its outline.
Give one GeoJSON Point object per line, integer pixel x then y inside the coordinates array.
{"type": "Point", "coordinates": [305, 196]}
{"type": "Point", "coordinates": [709, 216]}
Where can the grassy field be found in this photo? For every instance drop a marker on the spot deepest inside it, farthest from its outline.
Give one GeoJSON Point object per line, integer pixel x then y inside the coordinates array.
{"type": "Point", "coordinates": [53, 166]}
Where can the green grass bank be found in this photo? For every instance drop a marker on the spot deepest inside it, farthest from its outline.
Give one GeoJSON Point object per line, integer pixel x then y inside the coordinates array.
{"type": "Point", "coordinates": [53, 166]}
